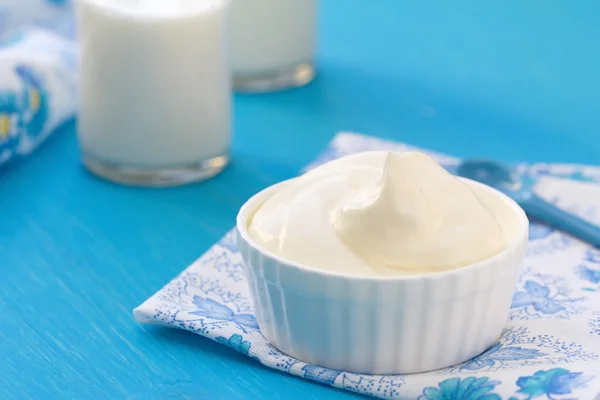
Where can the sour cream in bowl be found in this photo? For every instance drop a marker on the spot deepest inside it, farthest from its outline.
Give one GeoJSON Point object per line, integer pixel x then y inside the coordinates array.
{"type": "Point", "coordinates": [382, 263]}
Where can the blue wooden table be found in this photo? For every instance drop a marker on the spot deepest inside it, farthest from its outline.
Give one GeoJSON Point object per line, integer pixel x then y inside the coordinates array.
{"type": "Point", "coordinates": [510, 80]}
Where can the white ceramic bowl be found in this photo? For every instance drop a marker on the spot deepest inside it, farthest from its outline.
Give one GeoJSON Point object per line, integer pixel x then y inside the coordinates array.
{"type": "Point", "coordinates": [382, 325]}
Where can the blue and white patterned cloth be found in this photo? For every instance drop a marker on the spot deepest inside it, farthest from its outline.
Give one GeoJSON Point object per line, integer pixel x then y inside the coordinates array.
{"type": "Point", "coordinates": [550, 348]}
{"type": "Point", "coordinates": [54, 15]}
{"type": "Point", "coordinates": [37, 73]}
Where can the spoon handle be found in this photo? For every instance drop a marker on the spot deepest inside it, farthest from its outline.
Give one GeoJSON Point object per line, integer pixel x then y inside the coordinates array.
{"type": "Point", "coordinates": [563, 220]}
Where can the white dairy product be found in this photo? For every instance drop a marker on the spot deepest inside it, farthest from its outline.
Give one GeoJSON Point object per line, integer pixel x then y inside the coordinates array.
{"type": "Point", "coordinates": [155, 81]}
{"type": "Point", "coordinates": [380, 213]}
{"type": "Point", "coordinates": [270, 35]}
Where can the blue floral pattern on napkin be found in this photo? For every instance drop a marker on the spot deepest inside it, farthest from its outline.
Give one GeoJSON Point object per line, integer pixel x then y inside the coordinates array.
{"type": "Point", "coordinates": [37, 73]}
{"type": "Point", "coordinates": [37, 89]}
{"type": "Point", "coordinates": [470, 388]}
{"type": "Point", "coordinates": [550, 348]}
{"type": "Point", "coordinates": [23, 115]}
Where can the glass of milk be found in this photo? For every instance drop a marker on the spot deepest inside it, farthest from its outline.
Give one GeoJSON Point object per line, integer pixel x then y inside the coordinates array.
{"type": "Point", "coordinates": [272, 43]}
{"type": "Point", "coordinates": [155, 89]}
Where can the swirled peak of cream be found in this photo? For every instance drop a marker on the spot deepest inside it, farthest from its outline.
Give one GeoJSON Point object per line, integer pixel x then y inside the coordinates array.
{"type": "Point", "coordinates": [380, 213]}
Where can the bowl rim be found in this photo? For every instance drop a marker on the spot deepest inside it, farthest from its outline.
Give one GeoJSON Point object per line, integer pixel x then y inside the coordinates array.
{"type": "Point", "coordinates": [248, 209]}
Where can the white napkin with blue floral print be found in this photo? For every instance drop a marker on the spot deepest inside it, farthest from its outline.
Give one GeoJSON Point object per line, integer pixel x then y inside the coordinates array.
{"type": "Point", "coordinates": [54, 15]}
{"type": "Point", "coordinates": [37, 73]}
{"type": "Point", "coordinates": [550, 348]}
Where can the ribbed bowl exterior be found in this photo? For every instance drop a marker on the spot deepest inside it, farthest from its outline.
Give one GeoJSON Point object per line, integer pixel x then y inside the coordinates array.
{"type": "Point", "coordinates": [379, 325]}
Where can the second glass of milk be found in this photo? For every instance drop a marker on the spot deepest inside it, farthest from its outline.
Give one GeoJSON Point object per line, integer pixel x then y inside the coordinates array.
{"type": "Point", "coordinates": [272, 43]}
{"type": "Point", "coordinates": [155, 89]}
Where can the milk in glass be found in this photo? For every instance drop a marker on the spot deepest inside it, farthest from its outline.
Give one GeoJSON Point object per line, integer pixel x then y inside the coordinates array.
{"type": "Point", "coordinates": [272, 43]}
{"type": "Point", "coordinates": [155, 89]}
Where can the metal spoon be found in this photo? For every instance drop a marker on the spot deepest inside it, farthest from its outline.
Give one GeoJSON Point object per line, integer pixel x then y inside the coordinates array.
{"type": "Point", "coordinates": [504, 179]}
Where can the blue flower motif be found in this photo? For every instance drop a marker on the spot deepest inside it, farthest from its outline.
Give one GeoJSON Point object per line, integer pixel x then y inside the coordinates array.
{"type": "Point", "coordinates": [211, 309]}
{"type": "Point", "coordinates": [593, 256]}
{"type": "Point", "coordinates": [23, 115]}
{"type": "Point", "coordinates": [470, 388]}
{"type": "Point", "coordinates": [589, 270]}
{"type": "Point", "coordinates": [9, 113]}
{"type": "Point", "coordinates": [499, 353]}
{"type": "Point", "coordinates": [319, 374]}
{"type": "Point", "coordinates": [589, 274]}
{"type": "Point", "coordinates": [236, 342]}
{"type": "Point", "coordinates": [556, 381]}
{"type": "Point", "coordinates": [536, 296]}
{"type": "Point", "coordinates": [35, 101]}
